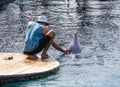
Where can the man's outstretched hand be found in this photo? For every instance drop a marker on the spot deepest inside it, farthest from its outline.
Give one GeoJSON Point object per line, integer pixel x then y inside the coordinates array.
{"type": "Point", "coordinates": [67, 51]}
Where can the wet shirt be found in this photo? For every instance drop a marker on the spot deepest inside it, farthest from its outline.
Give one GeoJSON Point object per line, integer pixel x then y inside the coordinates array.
{"type": "Point", "coordinates": [33, 34]}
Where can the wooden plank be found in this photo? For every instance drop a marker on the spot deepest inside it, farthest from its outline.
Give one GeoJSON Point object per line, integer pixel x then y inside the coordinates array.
{"type": "Point", "coordinates": [20, 67]}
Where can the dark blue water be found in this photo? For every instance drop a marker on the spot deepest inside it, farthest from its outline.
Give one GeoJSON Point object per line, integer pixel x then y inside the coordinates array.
{"type": "Point", "coordinates": [97, 23]}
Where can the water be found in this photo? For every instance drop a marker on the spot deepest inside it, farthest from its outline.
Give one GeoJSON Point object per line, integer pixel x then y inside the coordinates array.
{"type": "Point", "coordinates": [98, 27]}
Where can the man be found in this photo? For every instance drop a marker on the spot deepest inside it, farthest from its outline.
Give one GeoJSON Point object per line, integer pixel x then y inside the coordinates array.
{"type": "Point", "coordinates": [39, 38]}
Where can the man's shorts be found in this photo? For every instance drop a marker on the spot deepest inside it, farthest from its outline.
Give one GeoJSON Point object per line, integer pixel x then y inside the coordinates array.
{"type": "Point", "coordinates": [42, 44]}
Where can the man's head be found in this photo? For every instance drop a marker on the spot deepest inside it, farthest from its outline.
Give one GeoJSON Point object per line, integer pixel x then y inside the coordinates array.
{"type": "Point", "coordinates": [43, 20]}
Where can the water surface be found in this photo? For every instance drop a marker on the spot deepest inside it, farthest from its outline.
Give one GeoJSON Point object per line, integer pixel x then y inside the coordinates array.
{"type": "Point", "coordinates": [97, 25]}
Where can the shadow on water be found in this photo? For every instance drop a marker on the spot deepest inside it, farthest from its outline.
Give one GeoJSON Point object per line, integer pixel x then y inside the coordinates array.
{"type": "Point", "coordinates": [85, 23]}
{"type": "Point", "coordinates": [4, 3]}
{"type": "Point", "coordinates": [83, 11]}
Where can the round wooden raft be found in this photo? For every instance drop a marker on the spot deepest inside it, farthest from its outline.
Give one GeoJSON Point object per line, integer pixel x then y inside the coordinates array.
{"type": "Point", "coordinates": [15, 67]}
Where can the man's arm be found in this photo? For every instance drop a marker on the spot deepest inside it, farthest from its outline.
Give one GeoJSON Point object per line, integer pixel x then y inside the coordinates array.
{"type": "Point", "coordinates": [57, 47]}
{"type": "Point", "coordinates": [54, 44]}
{"type": "Point", "coordinates": [45, 30]}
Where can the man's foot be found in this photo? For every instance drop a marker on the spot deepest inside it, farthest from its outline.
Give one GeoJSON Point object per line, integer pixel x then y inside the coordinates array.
{"type": "Point", "coordinates": [32, 57]}
{"type": "Point", "coordinates": [45, 56]}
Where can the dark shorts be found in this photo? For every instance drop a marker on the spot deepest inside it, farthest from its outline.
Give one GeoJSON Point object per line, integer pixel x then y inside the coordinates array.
{"type": "Point", "coordinates": [42, 44]}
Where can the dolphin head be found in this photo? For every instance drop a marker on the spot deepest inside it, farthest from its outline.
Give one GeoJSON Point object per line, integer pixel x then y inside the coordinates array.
{"type": "Point", "coordinates": [75, 45]}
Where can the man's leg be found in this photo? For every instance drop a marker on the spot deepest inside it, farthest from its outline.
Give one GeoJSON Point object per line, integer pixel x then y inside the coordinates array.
{"type": "Point", "coordinates": [44, 54]}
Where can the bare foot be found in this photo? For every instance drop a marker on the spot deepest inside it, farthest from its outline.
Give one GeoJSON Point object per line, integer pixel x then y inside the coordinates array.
{"type": "Point", "coordinates": [32, 57]}
{"type": "Point", "coordinates": [45, 56]}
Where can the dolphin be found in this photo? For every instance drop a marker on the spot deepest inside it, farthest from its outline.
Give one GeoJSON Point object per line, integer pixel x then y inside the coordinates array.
{"type": "Point", "coordinates": [74, 46]}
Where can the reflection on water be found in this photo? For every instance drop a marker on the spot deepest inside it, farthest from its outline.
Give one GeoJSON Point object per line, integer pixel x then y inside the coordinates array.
{"type": "Point", "coordinates": [95, 21]}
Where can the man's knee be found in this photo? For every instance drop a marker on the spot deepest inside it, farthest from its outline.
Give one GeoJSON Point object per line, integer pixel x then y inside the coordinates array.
{"type": "Point", "coordinates": [51, 33]}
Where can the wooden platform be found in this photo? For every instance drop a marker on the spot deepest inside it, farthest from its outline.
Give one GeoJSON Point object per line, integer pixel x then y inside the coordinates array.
{"type": "Point", "coordinates": [15, 67]}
